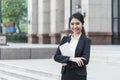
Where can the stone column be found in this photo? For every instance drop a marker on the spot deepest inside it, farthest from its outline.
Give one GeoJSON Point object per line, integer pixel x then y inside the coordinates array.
{"type": "Point", "coordinates": [85, 13]}
{"type": "Point", "coordinates": [57, 20]}
{"type": "Point", "coordinates": [32, 21]}
{"type": "Point", "coordinates": [44, 21]}
{"type": "Point", "coordinates": [67, 14]}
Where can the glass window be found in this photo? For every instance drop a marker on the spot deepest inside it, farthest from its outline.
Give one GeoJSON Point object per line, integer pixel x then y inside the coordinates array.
{"type": "Point", "coordinates": [116, 21]}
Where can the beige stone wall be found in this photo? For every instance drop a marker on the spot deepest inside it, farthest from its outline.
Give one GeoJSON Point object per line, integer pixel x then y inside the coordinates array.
{"type": "Point", "coordinates": [99, 21]}
{"type": "Point", "coordinates": [100, 16]}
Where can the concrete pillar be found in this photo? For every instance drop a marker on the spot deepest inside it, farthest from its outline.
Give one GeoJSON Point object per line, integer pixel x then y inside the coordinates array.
{"type": "Point", "coordinates": [57, 20]}
{"type": "Point", "coordinates": [85, 12]}
{"type": "Point", "coordinates": [44, 21]}
{"type": "Point", "coordinates": [32, 21]}
{"type": "Point", "coordinates": [67, 14]}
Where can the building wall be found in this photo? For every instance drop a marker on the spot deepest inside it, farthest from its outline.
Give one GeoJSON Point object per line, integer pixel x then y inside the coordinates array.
{"type": "Point", "coordinates": [53, 16]}
{"type": "Point", "coordinates": [99, 21]}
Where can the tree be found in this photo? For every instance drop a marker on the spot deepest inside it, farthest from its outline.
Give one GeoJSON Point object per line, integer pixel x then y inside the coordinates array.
{"type": "Point", "coordinates": [14, 10]}
{"type": "Point", "coordinates": [0, 18]}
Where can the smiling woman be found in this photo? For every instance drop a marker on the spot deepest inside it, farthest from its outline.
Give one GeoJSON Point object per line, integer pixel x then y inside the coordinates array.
{"type": "Point", "coordinates": [74, 66]}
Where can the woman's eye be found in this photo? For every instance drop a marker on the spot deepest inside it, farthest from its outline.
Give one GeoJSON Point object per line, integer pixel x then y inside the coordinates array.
{"type": "Point", "coordinates": [72, 23]}
{"type": "Point", "coordinates": [77, 23]}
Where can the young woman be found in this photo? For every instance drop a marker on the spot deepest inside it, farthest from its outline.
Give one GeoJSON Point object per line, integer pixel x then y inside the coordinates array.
{"type": "Point", "coordinates": [74, 66]}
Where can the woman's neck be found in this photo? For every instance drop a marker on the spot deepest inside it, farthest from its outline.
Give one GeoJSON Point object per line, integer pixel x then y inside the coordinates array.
{"type": "Point", "coordinates": [76, 35]}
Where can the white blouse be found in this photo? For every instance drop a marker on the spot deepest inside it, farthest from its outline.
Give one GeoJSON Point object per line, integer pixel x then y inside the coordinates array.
{"type": "Point", "coordinates": [73, 44]}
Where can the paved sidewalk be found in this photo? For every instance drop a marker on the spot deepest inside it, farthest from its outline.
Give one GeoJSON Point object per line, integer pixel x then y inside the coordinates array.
{"type": "Point", "coordinates": [96, 70]}
{"type": "Point", "coordinates": [108, 69]}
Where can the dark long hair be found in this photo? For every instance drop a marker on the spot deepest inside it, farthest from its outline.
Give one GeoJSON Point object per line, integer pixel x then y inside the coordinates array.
{"type": "Point", "coordinates": [80, 18]}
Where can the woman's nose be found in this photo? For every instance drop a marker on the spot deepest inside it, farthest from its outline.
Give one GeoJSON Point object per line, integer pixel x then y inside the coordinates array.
{"type": "Point", "coordinates": [74, 25]}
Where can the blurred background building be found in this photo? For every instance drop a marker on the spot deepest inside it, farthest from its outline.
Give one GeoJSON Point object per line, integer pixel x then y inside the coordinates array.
{"type": "Point", "coordinates": [48, 20]}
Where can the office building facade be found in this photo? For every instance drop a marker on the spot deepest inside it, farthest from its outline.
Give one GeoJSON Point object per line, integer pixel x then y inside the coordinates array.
{"type": "Point", "coordinates": [48, 20]}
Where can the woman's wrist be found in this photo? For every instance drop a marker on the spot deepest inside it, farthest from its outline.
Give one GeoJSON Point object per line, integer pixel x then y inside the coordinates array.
{"type": "Point", "coordinates": [71, 59]}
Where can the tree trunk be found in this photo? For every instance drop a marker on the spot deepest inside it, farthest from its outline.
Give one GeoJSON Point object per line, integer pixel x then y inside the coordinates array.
{"type": "Point", "coordinates": [0, 17]}
{"type": "Point", "coordinates": [18, 28]}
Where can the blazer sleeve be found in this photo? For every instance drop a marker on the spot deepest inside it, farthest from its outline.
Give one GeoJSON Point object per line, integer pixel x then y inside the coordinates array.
{"type": "Point", "coordinates": [58, 56]}
{"type": "Point", "coordinates": [86, 51]}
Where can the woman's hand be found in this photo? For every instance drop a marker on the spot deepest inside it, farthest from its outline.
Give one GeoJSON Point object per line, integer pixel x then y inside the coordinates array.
{"type": "Point", "coordinates": [78, 60]}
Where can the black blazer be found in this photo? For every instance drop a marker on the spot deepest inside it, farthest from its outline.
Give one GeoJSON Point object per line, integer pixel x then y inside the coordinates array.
{"type": "Point", "coordinates": [82, 50]}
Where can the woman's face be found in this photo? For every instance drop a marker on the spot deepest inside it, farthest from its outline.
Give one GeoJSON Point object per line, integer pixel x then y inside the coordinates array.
{"type": "Point", "coordinates": [76, 26]}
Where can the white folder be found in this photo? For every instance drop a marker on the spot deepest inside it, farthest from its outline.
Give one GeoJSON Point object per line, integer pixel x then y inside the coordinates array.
{"type": "Point", "coordinates": [65, 49]}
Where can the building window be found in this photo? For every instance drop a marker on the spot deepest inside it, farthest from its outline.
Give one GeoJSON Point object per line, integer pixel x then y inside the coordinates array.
{"type": "Point", "coordinates": [116, 21]}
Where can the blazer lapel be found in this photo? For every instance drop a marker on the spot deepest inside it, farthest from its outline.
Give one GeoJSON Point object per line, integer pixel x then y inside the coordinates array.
{"type": "Point", "coordinates": [68, 39]}
{"type": "Point", "coordinates": [80, 44]}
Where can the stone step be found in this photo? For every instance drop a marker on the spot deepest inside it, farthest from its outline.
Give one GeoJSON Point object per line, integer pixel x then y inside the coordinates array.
{"type": "Point", "coordinates": [105, 56]}
{"type": "Point", "coordinates": [20, 68]}
{"type": "Point", "coordinates": [25, 74]}
{"type": "Point", "coordinates": [7, 77]}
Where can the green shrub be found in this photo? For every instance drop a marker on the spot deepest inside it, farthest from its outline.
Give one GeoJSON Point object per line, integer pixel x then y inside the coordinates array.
{"type": "Point", "coordinates": [15, 37]}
